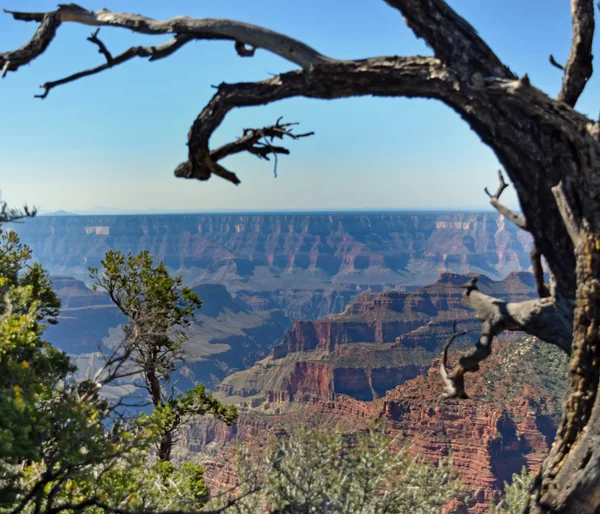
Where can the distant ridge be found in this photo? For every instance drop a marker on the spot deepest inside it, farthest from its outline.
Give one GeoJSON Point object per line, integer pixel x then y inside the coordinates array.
{"type": "Point", "coordinates": [109, 211]}
{"type": "Point", "coordinates": [59, 213]}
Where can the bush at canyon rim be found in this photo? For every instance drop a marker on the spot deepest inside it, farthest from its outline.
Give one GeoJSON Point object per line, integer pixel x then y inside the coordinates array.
{"type": "Point", "coordinates": [326, 471]}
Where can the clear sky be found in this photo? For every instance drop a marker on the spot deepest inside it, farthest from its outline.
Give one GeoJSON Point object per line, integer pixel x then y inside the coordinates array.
{"type": "Point", "coordinates": [112, 141]}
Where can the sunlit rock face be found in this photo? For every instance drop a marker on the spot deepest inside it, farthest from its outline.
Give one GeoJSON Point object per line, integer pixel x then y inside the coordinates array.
{"type": "Point", "coordinates": [508, 422]}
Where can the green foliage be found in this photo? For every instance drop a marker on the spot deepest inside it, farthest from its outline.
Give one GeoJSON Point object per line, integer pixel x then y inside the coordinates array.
{"type": "Point", "coordinates": [158, 306]}
{"type": "Point", "coordinates": [178, 411]}
{"type": "Point", "coordinates": [136, 484]}
{"type": "Point", "coordinates": [139, 289]}
{"type": "Point", "coordinates": [516, 494]}
{"type": "Point", "coordinates": [314, 471]}
{"type": "Point", "coordinates": [14, 267]}
{"type": "Point", "coordinates": [29, 368]}
{"type": "Point", "coordinates": [528, 363]}
{"type": "Point", "coordinates": [63, 448]}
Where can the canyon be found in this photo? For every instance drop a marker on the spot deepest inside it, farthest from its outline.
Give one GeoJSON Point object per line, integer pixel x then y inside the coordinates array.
{"type": "Point", "coordinates": [378, 361]}
{"type": "Point", "coordinates": [331, 320]}
{"type": "Point", "coordinates": [507, 423]}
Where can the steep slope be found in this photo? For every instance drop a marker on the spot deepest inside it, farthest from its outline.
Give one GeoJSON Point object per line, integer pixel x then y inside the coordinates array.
{"type": "Point", "coordinates": [378, 342]}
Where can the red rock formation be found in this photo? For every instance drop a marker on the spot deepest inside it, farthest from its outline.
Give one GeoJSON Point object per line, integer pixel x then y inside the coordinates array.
{"type": "Point", "coordinates": [385, 317]}
{"type": "Point", "coordinates": [378, 342]}
{"type": "Point", "coordinates": [508, 423]}
{"type": "Point", "coordinates": [311, 377]}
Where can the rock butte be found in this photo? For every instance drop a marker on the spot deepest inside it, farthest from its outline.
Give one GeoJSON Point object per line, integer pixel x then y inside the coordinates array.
{"type": "Point", "coordinates": [323, 369]}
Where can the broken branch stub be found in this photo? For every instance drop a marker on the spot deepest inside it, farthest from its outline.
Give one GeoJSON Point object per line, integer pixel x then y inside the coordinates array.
{"type": "Point", "coordinates": [519, 221]}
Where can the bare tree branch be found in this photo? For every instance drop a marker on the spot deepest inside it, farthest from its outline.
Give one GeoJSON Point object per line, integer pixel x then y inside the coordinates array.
{"type": "Point", "coordinates": [101, 46]}
{"type": "Point", "coordinates": [453, 387]}
{"type": "Point", "coordinates": [555, 64]}
{"type": "Point", "coordinates": [535, 317]}
{"type": "Point", "coordinates": [519, 221]}
{"type": "Point", "coordinates": [195, 28]}
{"type": "Point", "coordinates": [571, 223]}
{"type": "Point", "coordinates": [538, 272]}
{"type": "Point", "coordinates": [579, 66]}
{"type": "Point", "coordinates": [423, 77]}
{"type": "Point", "coordinates": [251, 141]}
{"type": "Point", "coordinates": [12, 61]}
{"type": "Point", "coordinates": [153, 52]}
{"type": "Point", "coordinates": [322, 77]}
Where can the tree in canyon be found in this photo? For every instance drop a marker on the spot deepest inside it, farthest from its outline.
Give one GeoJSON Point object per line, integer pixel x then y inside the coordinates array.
{"type": "Point", "coordinates": [158, 308]}
{"type": "Point", "coordinates": [549, 150]}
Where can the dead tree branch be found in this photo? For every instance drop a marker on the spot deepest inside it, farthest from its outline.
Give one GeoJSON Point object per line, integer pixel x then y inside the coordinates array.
{"type": "Point", "coordinates": [454, 387]}
{"type": "Point", "coordinates": [538, 272]}
{"type": "Point", "coordinates": [423, 77]}
{"type": "Point", "coordinates": [259, 142]}
{"type": "Point", "coordinates": [251, 141]}
{"type": "Point", "coordinates": [554, 63]}
{"type": "Point", "coordinates": [49, 23]}
{"type": "Point", "coordinates": [579, 66]}
{"type": "Point", "coordinates": [453, 40]}
{"type": "Point", "coordinates": [101, 46]}
{"type": "Point", "coordinates": [519, 221]}
{"type": "Point", "coordinates": [243, 34]}
{"type": "Point", "coordinates": [153, 52]}
{"type": "Point", "coordinates": [320, 77]}
{"type": "Point", "coordinates": [570, 220]}
{"type": "Point", "coordinates": [535, 317]}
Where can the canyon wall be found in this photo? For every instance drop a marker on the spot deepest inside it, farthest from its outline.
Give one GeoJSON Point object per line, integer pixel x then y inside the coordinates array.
{"type": "Point", "coordinates": [308, 265]}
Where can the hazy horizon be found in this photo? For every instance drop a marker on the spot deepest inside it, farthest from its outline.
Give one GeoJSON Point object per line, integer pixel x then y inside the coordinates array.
{"type": "Point", "coordinates": [374, 210]}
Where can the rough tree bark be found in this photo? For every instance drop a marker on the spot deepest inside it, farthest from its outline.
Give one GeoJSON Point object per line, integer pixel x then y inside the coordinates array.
{"type": "Point", "coordinates": [550, 152]}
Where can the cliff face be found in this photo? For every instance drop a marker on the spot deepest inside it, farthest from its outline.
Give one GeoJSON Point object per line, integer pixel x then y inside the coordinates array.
{"type": "Point", "coordinates": [378, 342]}
{"type": "Point", "coordinates": [308, 265]}
{"type": "Point", "coordinates": [508, 422]}
{"type": "Point", "coordinates": [410, 318]}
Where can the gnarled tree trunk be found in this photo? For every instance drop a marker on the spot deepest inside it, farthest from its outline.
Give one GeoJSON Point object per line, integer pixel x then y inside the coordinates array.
{"type": "Point", "coordinates": [549, 150]}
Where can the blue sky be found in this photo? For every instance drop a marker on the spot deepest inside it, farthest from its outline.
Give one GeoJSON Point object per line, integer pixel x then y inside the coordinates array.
{"type": "Point", "coordinates": [113, 140]}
